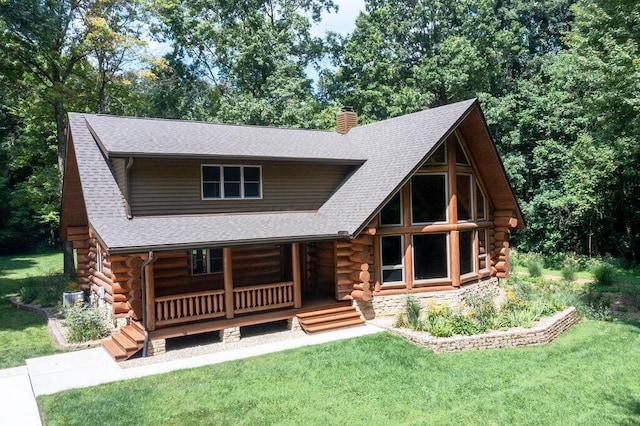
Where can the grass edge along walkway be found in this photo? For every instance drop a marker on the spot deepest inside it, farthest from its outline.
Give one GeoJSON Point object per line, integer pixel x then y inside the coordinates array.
{"type": "Point", "coordinates": [587, 376]}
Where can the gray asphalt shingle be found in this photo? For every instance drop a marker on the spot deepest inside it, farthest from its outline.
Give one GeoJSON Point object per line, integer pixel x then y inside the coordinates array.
{"type": "Point", "coordinates": [391, 150]}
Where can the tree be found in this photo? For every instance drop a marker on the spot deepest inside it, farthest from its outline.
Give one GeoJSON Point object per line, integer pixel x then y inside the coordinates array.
{"type": "Point", "coordinates": [254, 54]}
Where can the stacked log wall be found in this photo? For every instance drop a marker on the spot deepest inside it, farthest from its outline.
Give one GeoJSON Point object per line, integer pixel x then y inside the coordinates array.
{"type": "Point", "coordinates": [172, 275]}
{"type": "Point", "coordinates": [79, 237]}
{"type": "Point", "coordinates": [354, 266]}
{"type": "Point", "coordinates": [503, 222]}
{"type": "Point", "coordinates": [255, 265]}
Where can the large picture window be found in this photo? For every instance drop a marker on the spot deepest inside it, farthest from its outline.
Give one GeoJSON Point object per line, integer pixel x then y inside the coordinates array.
{"type": "Point", "coordinates": [228, 182]}
{"type": "Point", "coordinates": [429, 198]}
{"type": "Point", "coordinates": [206, 261]}
{"type": "Point", "coordinates": [430, 260]}
{"type": "Point", "coordinates": [391, 254]}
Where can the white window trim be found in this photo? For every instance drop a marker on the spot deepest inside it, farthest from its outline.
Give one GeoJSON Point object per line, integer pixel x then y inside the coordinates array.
{"type": "Point", "coordinates": [446, 197]}
{"type": "Point", "coordinates": [399, 266]}
{"type": "Point", "coordinates": [207, 262]}
{"type": "Point", "coordinates": [399, 193]}
{"type": "Point", "coordinates": [222, 197]}
{"type": "Point", "coordinates": [413, 259]}
{"type": "Point", "coordinates": [472, 194]}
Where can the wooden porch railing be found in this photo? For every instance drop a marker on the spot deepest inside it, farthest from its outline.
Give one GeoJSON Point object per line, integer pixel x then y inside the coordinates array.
{"type": "Point", "coordinates": [263, 297]}
{"type": "Point", "coordinates": [185, 307]}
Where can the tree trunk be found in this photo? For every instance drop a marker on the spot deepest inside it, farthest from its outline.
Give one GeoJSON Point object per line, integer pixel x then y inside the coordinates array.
{"type": "Point", "coordinates": [67, 246]}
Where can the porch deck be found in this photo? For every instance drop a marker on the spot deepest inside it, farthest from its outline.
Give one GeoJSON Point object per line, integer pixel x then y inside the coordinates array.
{"type": "Point", "coordinates": [205, 326]}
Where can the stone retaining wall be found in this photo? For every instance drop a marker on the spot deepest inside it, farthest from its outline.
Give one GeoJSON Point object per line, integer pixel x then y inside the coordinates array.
{"type": "Point", "coordinates": [389, 306]}
{"type": "Point", "coordinates": [544, 332]}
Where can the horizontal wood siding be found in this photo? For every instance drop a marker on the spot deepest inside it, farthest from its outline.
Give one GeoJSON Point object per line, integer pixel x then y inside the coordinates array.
{"type": "Point", "coordinates": [173, 187]}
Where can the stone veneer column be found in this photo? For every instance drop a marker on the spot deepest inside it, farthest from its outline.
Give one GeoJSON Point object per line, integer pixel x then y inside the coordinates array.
{"type": "Point", "coordinates": [157, 347]}
{"type": "Point", "coordinates": [230, 335]}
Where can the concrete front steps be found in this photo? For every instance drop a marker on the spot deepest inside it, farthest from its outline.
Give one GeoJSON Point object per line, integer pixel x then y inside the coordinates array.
{"type": "Point", "coordinates": [125, 343]}
{"type": "Point", "coordinates": [329, 319]}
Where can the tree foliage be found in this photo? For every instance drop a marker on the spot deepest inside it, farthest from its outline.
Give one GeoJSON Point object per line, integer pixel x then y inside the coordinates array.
{"type": "Point", "coordinates": [559, 82]}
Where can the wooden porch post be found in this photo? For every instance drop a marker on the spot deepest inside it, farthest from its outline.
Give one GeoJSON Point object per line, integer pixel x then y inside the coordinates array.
{"type": "Point", "coordinates": [295, 273]}
{"type": "Point", "coordinates": [454, 250]}
{"type": "Point", "coordinates": [228, 281]}
{"type": "Point", "coordinates": [150, 290]}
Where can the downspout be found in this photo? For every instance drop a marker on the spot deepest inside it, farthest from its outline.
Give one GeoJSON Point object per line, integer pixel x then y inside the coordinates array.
{"type": "Point", "coordinates": [127, 179]}
{"type": "Point", "coordinates": [143, 277]}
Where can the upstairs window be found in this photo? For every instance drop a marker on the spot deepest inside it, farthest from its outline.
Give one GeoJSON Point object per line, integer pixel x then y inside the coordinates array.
{"type": "Point", "coordinates": [231, 182]}
{"type": "Point", "coordinates": [206, 261]}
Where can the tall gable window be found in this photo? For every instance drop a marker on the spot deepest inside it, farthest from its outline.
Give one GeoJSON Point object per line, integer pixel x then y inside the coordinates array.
{"type": "Point", "coordinates": [391, 213]}
{"type": "Point", "coordinates": [231, 182]}
{"type": "Point", "coordinates": [206, 261]}
{"type": "Point", "coordinates": [429, 198]}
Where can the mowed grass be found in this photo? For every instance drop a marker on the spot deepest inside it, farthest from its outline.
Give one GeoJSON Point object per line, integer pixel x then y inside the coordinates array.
{"type": "Point", "coordinates": [23, 334]}
{"type": "Point", "coordinates": [588, 376]}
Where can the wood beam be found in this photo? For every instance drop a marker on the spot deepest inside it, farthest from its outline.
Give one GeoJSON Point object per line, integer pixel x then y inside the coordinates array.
{"type": "Point", "coordinates": [150, 296]}
{"type": "Point", "coordinates": [228, 281]}
{"type": "Point", "coordinates": [295, 273]}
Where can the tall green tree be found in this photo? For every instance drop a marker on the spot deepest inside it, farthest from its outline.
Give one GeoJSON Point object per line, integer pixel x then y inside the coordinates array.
{"type": "Point", "coordinates": [254, 53]}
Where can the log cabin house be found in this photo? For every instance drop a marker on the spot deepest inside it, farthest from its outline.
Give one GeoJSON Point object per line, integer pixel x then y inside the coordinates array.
{"type": "Point", "coordinates": [185, 227]}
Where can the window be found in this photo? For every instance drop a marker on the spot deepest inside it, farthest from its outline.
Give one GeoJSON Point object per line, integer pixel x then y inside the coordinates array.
{"type": "Point", "coordinates": [230, 182]}
{"type": "Point", "coordinates": [99, 260]}
{"type": "Point", "coordinates": [466, 252]}
{"type": "Point", "coordinates": [391, 253]}
{"type": "Point", "coordinates": [461, 156]}
{"type": "Point", "coordinates": [430, 259]}
{"type": "Point", "coordinates": [465, 202]}
{"type": "Point", "coordinates": [206, 261]}
{"type": "Point", "coordinates": [480, 204]}
{"type": "Point", "coordinates": [429, 198]}
{"type": "Point", "coordinates": [482, 250]}
{"type": "Point", "coordinates": [440, 156]}
{"type": "Point", "coordinates": [391, 213]}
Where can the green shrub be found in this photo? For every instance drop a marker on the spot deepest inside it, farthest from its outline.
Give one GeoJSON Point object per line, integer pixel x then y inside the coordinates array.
{"type": "Point", "coordinates": [603, 274]}
{"type": "Point", "coordinates": [534, 268]}
{"type": "Point", "coordinates": [413, 310]}
{"type": "Point", "coordinates": [84, 323]}
{"type": "Point", "coordinates": [568, 272]}
{"type": "Point", "coordinates": [29, 293]}
{"type": "Point", "coordinates": [631, 293]}
{"type": "Point", "coordinates": [440, 326]}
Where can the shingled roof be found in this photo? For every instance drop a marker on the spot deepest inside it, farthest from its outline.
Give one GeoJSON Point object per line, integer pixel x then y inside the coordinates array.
{"type": "Point", "coordinates": [387, 152]}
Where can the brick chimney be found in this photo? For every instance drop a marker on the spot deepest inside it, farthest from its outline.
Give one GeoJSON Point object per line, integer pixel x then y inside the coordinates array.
{"type": "Point", "coordinates": [346, 120]}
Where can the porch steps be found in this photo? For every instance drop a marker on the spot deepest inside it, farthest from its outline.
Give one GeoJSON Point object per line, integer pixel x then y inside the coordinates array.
{"type": "Point", "coordinates": [125, 343]}
{"type": "Point", "coordinates": [330, 319]}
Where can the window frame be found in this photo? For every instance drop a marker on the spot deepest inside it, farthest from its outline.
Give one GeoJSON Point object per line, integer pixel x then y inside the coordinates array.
{"type": "Point", "coordinates": [446, 197]}
{"type": "Point", "coordinates": [473, 257]}
{"type": "Point", "coordinates": [401, 266]}
{"type": "Point", "coordinates": [208, 270]}
{"type": "Point", "coordinates": [221, 168]}
{"type": "Point", "coordinates": [417, 281]}
{"type": "Point", "coordinates": [472, 201]}
{"type": "Point", "coordinates": [478, 187]}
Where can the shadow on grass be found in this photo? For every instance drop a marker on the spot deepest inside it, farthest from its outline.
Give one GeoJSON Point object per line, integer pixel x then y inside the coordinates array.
{"type": "Point", "coordinates": [12, 264]}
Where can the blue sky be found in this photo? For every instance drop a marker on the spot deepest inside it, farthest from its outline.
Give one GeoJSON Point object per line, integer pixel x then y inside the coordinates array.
{"type": "Point", "coordinates": [342, 22]}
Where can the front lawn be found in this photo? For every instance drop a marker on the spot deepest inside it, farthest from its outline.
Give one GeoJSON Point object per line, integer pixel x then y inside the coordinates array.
{"type": "Point", "coordinates": [23, 334]}
{"type": "Point", "coordinates": [588, 376]}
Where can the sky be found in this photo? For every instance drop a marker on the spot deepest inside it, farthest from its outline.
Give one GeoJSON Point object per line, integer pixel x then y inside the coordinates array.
{"type": "Point", "coordinates": [342, 22]}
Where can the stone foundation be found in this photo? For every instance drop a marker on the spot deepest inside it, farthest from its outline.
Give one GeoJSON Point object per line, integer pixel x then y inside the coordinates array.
{"type": "Point", "coordinates": [544, 332]}
{"type": "Point", "coordinates": [156, 347]}
{"type": "Point", "coordinates": [390, 306]}
{"type": "Point", "coordinates": [230, 335]}
{"type": "Point", "coordinates": [293, 324]}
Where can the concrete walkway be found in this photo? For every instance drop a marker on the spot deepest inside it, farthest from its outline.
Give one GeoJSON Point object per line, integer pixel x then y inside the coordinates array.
{"type": "Point", "coordinates": [20, 386]}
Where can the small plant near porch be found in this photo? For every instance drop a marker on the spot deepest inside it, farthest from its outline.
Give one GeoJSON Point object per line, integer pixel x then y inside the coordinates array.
{"type": "Point", "coordinates": [84, 323]}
